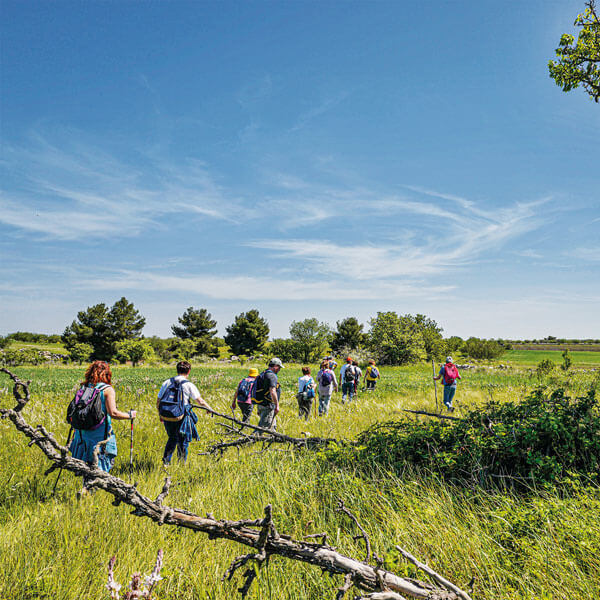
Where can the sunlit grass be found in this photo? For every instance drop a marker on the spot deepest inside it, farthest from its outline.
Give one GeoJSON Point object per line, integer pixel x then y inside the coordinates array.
{"type": "Point", "coordinates": [530, 547]}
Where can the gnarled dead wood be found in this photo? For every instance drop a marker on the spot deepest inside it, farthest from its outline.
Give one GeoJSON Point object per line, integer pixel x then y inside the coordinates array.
{"type": "Point", "coordinates": [259, 435]}
{"type": "Point", "coordinates": [260, 535]}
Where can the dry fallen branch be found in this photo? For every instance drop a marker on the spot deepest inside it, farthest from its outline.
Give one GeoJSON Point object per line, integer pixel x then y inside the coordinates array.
{"type": "Point", "coordinates": [259, 435]}
{"type": "Point", "coordinates": [258, 534]}
{"type": "Point", "coordinates": [429, 414]}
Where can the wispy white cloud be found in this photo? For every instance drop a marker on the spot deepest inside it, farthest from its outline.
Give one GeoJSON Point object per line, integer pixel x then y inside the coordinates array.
{"type": "Point", "coordinates": [259, 288]}
{"type": "Point", "coordinates": [591, 253]}
{"type": "Point", "coordinates": [529, 253]}
{"type": "Point", "coordinates": [467, 234]}
{"type": "Point", "coordinates": [77, 190]}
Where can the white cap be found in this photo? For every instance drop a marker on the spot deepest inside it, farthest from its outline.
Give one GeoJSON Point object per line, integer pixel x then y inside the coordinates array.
{"type": "Point", "coordinates": [449, 359]}
{"type": "Point", "coordinates": [276, 362]}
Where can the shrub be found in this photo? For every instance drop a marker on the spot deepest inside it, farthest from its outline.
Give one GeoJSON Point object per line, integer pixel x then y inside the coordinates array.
{"type": "Point", "coordinates": [541, 440]}
{"type": "Point", "coordinates": [545, 367]}
{"type": "Point", "coordinates": [24, 356]}
{"type": "Point", "coordinates": [486, 349]}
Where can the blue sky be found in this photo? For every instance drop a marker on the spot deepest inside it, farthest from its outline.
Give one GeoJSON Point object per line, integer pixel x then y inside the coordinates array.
{"type": "Point", "coordinates": [307, 159]}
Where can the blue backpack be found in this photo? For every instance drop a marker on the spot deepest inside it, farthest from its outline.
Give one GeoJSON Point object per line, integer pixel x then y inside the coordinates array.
{"type": "Point", "coordinates": [326, 378]}
{"type": "Point", "coordinates": [244, 391]}
{"type": "Point", "coordinates": [309, 389]}
{"type": "Point", "coordinates": [374, 372]}
{"type": "Point", "coordinates": [170, 404]}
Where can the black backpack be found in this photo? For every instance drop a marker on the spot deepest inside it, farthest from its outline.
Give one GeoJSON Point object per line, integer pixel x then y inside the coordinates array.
{"type": "Point", "coordinates": [85, 410]}
{"type": "Point", "coordinates": [349, 375]}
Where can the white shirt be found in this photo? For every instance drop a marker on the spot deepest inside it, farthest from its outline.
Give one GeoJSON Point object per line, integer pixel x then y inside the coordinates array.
{"type": "Point", "coordinates": [189, 390]}
{"type": "Point", "coordinates": [343, 370]}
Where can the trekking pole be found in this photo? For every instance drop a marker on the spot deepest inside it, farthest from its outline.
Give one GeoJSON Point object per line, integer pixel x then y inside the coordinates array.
{"type": "Point", "coordinates": [131, 446]}
{"type": "Point", "coordinates": [61, 469]}
{"type": "Point", "coordinates": [434, 385]}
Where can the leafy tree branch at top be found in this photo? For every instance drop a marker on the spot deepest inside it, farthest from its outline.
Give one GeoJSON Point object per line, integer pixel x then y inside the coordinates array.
{"type": "Point", "coordinates": [579, 62]}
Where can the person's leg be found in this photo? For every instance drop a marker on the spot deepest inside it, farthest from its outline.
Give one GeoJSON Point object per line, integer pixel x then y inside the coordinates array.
{"type": "Point", "coordinates": [350, 391]}
{"type": "Point", "coordinates": [172, 430]}
{"type": "Point", "coordinates": [246, 409]}
{"type": "Point", "coordinates": [182, 448]}
{"type": "Point", "coordinates": [324, 404]}
{"type": "Point", "coordinates": [266, 416]}
{"type": "Point", "coordinates": [449, 392]}
{"type": "Point", "coordinates": [300, 399]}
{"type": "Point", "coordinates": [308, 407]}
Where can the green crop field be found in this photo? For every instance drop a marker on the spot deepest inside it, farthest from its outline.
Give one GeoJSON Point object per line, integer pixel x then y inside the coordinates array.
{"type": "Point", "coordinates": [538, 546]}
{"type": "Point", "coordinates": [533, 357]}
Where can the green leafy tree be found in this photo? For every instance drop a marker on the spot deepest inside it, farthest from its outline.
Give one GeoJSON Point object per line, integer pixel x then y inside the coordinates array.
{"type": "Point", "coordinates": [312, 338]}
{"type": "Point", "coordinates": [136, 351]}
{"type": "Point", "coordinates": [125, 322]}
{"type": "Point", "coordinates": [396, 340]}
{"type": "Point", "coordinates": [348, 335]}
{"type": "Point", "coordinates": [454, 344]}
{"type": "Point", "coordinates": [80, 353]}
{"type": "Point", "coordinates": [4, 341]}
{"type": "Point", "coordinates": [483, 349]}
{"type": "Point", "coordinates": [161, 347]}
{"type": "Point", "coordinates": [435, 346]}
{"type": "Point", "coordinates": [579, 62]}
{"type": "Point", "coordinates": [248, 334]}
{"type": "Point", "coordinates": [198, 325]}
{"type": "Point", "coordinates": [102, 328]}
{"type": "Point", "coordinates": [285, 349]}
{"type": "Point", "coordinates": [182, 349]}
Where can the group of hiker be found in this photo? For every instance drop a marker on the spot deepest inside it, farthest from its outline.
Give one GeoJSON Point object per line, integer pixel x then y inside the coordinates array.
{"type": "Point", "coordinates": [93, 408]}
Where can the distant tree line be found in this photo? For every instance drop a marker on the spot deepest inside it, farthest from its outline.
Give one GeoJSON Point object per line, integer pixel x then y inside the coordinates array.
{"type": "Point", "coordinates": [115, 333]}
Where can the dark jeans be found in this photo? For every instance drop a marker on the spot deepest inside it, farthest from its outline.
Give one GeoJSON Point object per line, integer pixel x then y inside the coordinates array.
{"type": "Point", "coordinates": [176, 440]}
{"type": "Point", "coordinates": [246, 410]}
{"type": "Point", "coordinates": [371, 384]}
{"type": "Point", "coordinates": [304, 405]}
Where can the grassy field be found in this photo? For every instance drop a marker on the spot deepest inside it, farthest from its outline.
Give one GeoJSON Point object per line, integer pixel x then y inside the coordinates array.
{"type": "Point", "coordinates": [540, 546]}
{"type": "Point", "coordinates": [17, 345]}
{"type": "Point", "coordinates": [533, 357]}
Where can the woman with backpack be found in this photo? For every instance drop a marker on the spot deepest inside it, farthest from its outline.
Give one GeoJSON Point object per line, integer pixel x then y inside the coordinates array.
{"type": "Point", "coordinates": [243, 395]}
{"type": "Point", "coordinates": [327, 385]}
{"type": "Point", "coordinates": [96, 391]}
{"type": "Point", "coordinates": [306, 393]}
{"type": "Point", "coordinates": [371, 375]}
{"type": "Point", "coordinates": [449, 374]}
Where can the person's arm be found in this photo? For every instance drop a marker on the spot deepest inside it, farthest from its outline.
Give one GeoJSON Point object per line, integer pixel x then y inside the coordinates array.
{"type": "Point", "coordinates": [439, 374]}
{"type": "Point", "coordinates": [235, 394]}
{"type": "Point", "coordinates": [111, 406]}
{"type": "Point", "coordinates": [201, 402]}
{"type": "Point", "coordinates": [274, 398]}
{"type": "Point", "coordinates": [335, 383]}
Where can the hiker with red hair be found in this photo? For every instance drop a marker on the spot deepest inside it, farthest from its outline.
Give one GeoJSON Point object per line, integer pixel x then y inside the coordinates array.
{"type": "Point", "coordinates": [97, 382]}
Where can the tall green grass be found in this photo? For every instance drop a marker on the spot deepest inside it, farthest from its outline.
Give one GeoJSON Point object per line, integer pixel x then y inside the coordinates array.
{"type": "Point", "coordinates": [529, 547]}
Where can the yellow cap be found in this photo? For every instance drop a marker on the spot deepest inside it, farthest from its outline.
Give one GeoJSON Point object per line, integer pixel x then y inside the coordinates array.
{"type": "Point", "coordinates": [253, 373]}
